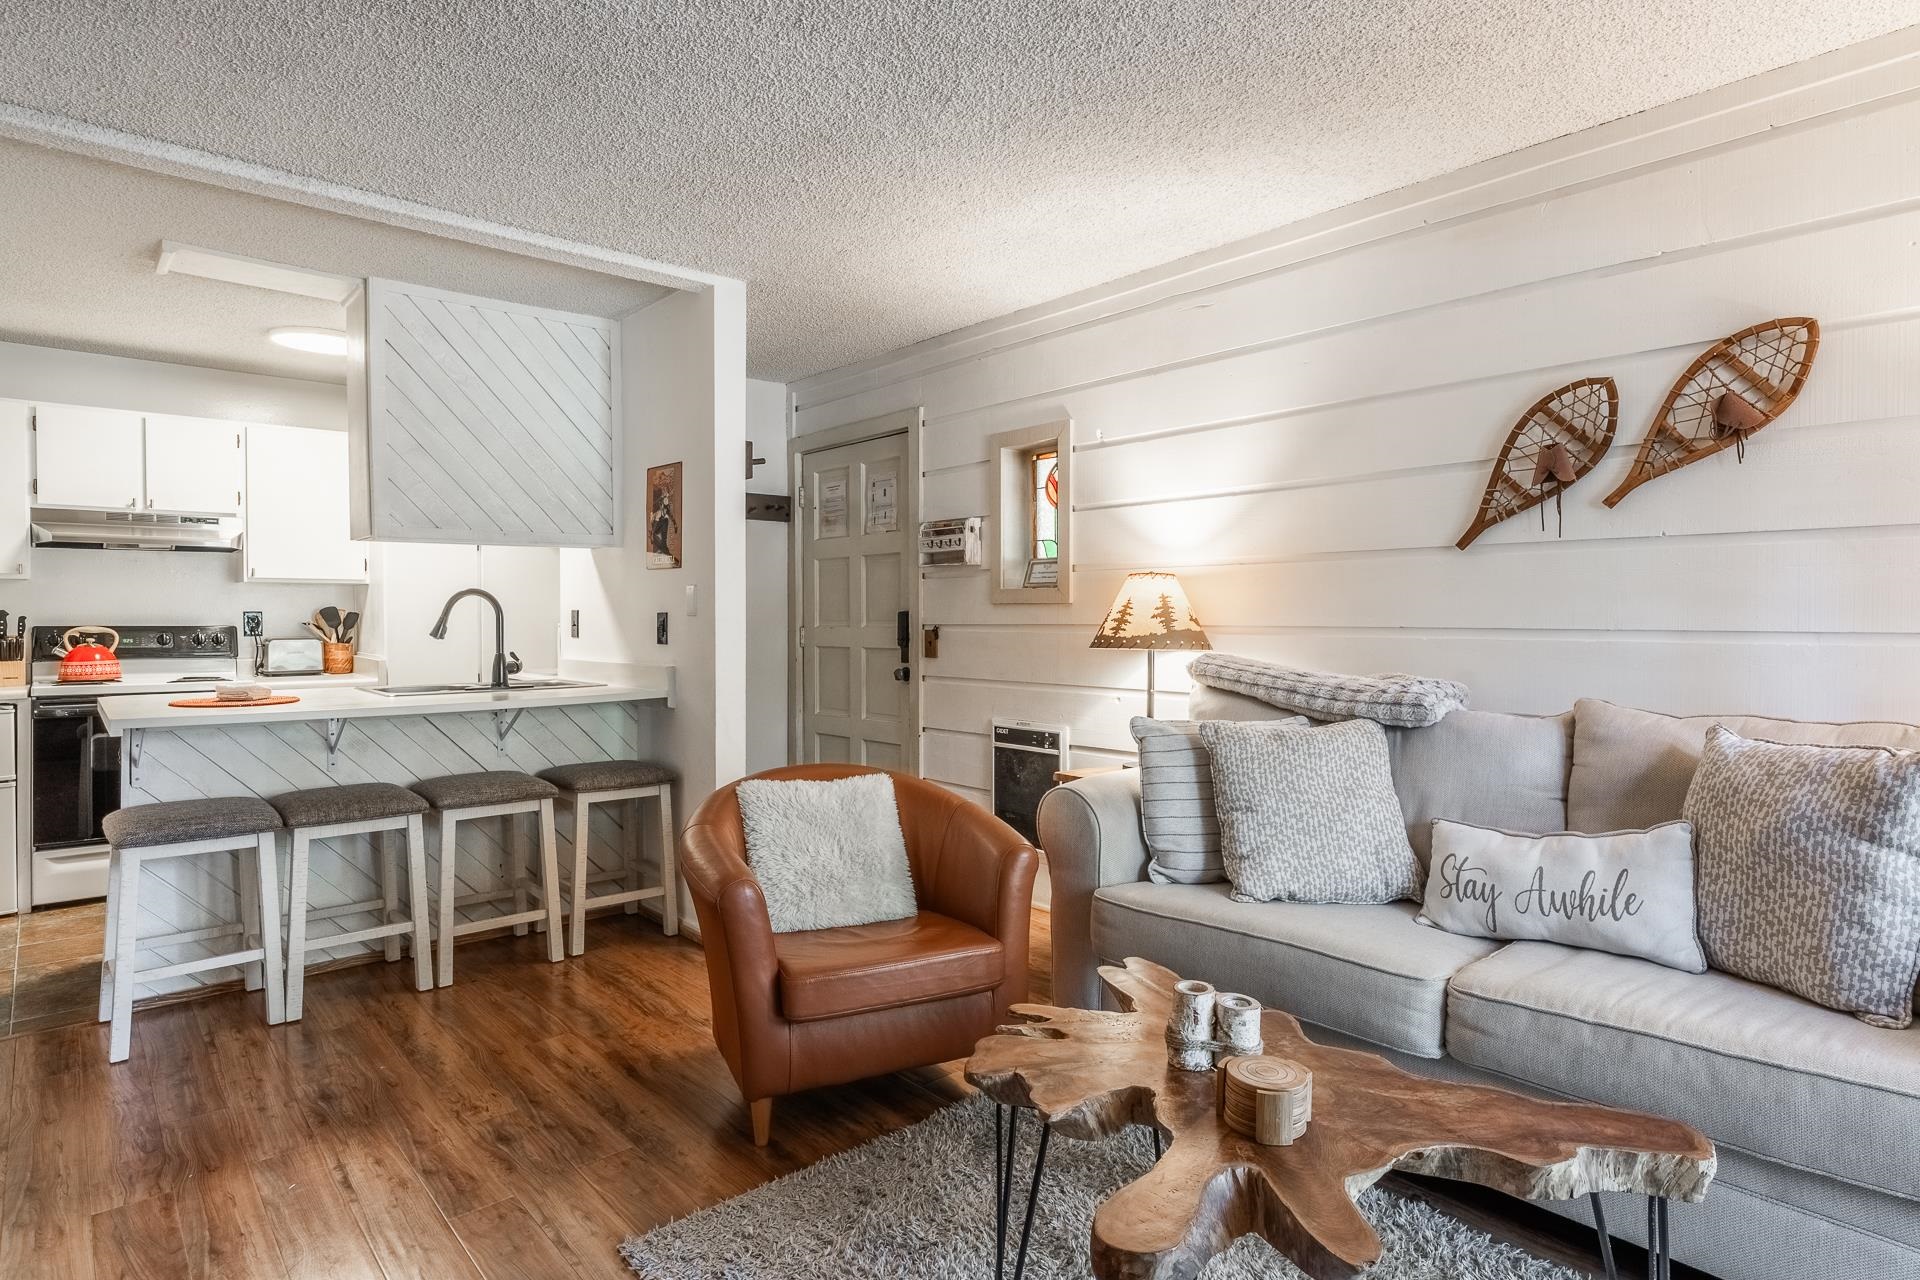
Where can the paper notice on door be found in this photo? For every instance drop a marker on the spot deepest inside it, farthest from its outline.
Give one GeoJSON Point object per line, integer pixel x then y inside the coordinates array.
{"type": "Point", "coordinates": [833, 507]}
{"type": "Point", "coordinates": [883, 514]}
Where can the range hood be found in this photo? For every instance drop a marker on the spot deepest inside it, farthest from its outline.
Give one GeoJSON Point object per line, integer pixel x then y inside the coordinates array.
{"type": "Point", "coordinates": [131, 531]}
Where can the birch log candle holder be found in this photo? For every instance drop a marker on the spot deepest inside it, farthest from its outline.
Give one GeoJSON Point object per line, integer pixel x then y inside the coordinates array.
{"type": "Point", "coordinates": [1236, 1021]}
{"type": "Point", "coordinates": [1267, 1099]}
{"type": "Point", "coordinates": [1190, 1026]}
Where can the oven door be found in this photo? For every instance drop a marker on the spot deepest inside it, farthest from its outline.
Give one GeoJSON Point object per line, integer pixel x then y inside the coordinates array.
{"type": "Point", "coordinates": [76, 773]}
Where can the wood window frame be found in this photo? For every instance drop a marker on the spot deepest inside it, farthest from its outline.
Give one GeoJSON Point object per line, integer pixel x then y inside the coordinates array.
{"type": "Point", "coordinates": [1010, 524]}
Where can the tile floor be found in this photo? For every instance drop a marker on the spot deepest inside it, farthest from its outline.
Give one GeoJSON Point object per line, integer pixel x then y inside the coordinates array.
{"type": "Point", "coordinates": [50, 967]}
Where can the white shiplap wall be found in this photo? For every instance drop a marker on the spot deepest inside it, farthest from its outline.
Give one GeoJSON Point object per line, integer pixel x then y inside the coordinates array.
{"type": "Point", "coordinates": [1302, 427]}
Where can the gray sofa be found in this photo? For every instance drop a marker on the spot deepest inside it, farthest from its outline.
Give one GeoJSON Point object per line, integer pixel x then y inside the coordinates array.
{"type": "Point", "coordinates": [1816, 1115]}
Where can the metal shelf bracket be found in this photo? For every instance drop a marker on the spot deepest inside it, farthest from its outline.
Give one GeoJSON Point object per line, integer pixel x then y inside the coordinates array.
{"type": "Point", "coordinates": [503, 722]}
{"type": "Point", "coordinates": [136, 748]}
{"type": "Point", "coordinates": [335, 729]}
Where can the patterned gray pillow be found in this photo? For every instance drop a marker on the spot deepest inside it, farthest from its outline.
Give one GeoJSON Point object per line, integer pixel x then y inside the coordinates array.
{"type": "Point", "coordinates": [1808, 864]}
{"type": "Point", "coordinates": [1309, 815]}
{"type": "Point", "coordinates": [1176, 801]}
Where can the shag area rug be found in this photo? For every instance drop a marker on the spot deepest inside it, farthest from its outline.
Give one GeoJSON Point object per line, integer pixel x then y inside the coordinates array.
{"type": "Point", "coordinates": [917, 1205]}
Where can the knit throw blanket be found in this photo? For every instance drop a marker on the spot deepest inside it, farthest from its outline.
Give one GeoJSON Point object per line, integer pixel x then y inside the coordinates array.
{"type": "Point", "coordinates": [1404, 702]}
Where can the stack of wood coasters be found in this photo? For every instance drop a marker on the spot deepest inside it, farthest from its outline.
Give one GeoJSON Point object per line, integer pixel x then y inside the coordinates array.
{"type": "Point", "coordinates": [1266, 1098]}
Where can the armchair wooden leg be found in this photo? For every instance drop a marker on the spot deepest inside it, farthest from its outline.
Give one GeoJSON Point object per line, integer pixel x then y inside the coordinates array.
{"type": "Point", "coordinates": [762, 1110]}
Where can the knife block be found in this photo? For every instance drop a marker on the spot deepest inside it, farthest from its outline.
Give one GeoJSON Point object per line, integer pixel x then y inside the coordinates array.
{"type": "Point", "coordinates": [13, 674]}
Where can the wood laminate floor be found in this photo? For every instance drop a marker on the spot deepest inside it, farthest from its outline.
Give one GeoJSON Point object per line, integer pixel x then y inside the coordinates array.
{"type": "Point", "coordinates": [516, 1124]}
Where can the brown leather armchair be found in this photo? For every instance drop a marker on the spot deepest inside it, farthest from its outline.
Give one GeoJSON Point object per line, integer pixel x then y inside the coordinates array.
{"type": "Point", "coordinates": [795, 1011]}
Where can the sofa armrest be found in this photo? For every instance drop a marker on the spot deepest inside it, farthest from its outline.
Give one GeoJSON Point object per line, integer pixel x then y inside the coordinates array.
{"type": "Point", "coordinates": [1090, 832]}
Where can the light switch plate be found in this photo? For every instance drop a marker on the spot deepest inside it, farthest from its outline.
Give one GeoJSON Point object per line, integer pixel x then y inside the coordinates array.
{"type": "Point", "coordinates": [693, 600]}
{"type": "Point", "coordinates": [576, 624]}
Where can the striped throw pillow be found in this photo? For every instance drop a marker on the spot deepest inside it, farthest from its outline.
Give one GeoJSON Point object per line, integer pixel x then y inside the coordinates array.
{"type": "Point", "coordinates": [1176, 802]}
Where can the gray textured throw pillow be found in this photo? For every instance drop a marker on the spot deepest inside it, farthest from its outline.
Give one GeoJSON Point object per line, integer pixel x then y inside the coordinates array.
{"type": "Point", "coordinates": [1176, 801]}
{"type": "Point", "coordinates": [1309, 815]}
{"type": "Point", "coordinates": [1809, 870]}
{"type": "Point", "coordinates": [827, 853]}
{"type": "Point", "coordinates": [1628, 892]}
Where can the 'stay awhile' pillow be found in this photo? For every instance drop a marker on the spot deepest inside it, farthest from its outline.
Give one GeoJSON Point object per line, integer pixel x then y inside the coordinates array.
{"type": "Point", "coordinates": [1176, 801]}
{"type": "Point", "coordinates": [1309, 815]}
{"type": "Point", "coordinates": [1809, 867]}
{"type": "Point", "coordinates": [1628, 892]}
{"type": "Point", "coordinates": [829, 853]}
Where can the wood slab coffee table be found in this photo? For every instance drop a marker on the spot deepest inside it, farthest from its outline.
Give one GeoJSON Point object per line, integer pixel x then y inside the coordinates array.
{"type": "Point", "coordinates": [1091, 1074]}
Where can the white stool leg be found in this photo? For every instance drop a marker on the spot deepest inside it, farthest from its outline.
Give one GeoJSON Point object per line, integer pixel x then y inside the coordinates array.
{"type": "Point", "coordinates": [247, 885]}
{"type": "Point", "coordinates": [297, 924]}
{"type": "Point", "coordinates": [550, 882]}
{"type": "Point", "coordinates": [448, 837]}
{"type": "Point", "coordinates": [268, 880]}
{"type": "Point", "coordinates": [106, 949]}
{"type": "Point", "coordinates": [669, 877]}
{"type": "Point", "coordinates": [417, 902]}
{"type": "Point", "coordinates": [383, 842]}
{"type": "Point", "coordinates": [126, 888]}
{"type": "Point", "coordinates": [517, 866]}
{"type": "Point", "coordinates": [582, 839]}
{"type": "Point", "coordinates": [633, 846]}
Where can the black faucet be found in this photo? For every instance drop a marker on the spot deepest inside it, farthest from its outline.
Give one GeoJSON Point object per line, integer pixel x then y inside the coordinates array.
{"type": "Point", "coordinates": [504, 663]}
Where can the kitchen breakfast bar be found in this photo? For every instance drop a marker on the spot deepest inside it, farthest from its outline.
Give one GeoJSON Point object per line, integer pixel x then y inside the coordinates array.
{"type": "Point", "coordinates": [340, 736]}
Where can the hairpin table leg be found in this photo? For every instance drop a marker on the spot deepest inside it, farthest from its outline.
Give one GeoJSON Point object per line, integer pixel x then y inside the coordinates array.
{"type": "Point", "coordinates": [1005, 1152]}
{"type": "Point", "coordinates": [1606, 1241]}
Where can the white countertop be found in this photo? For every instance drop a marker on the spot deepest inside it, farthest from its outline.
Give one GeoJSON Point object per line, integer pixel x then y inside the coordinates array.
{"type": "Point", "coordinates": [122, 712]}
{"type": "Point", "coordinates": [13, 693]}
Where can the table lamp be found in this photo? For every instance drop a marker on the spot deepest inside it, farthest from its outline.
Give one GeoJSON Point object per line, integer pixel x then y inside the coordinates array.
{"type": "Point", "coordinates": [1151, 612]}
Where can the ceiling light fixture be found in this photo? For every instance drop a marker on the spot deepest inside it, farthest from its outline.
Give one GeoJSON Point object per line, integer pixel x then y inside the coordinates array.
{"type": "Point", "coordinates": [321, 342]}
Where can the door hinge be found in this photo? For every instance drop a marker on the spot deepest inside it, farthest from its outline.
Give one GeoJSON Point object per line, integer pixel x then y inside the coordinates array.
{"type": "Point", "coordinates": [803, 637]}
{"type": "Point", "coordinates": [236, 439]}
{"type": "Point", "coordinates": [800, 497]}
{"type": "Point", "coordinates": [34, 488]}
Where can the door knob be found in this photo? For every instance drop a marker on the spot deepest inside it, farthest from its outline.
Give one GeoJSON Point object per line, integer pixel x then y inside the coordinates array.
{"type": "Point", "coordinates": [903, 674]}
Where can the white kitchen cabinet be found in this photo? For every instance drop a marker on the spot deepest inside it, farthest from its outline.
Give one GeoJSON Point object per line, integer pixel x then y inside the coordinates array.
{"type": "Point", "coordinates": [16, 474]}
{"type": "Point", "coordinates": [193, 466]}
{"type": "Point", "coordinates": [298, 519]}
{"type": "Point", "coordinates": [90, 458]}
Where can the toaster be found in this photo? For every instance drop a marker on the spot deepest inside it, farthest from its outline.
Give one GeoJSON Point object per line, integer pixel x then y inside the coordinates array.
{"type": "Point", "coordinates": [291, 656]}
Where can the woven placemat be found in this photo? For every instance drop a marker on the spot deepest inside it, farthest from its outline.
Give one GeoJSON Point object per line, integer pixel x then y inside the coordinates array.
{"type": "Point", "coordinates": [277, 700]}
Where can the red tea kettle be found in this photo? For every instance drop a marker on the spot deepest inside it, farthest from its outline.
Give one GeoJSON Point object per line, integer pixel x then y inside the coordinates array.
{"type": "Point", "coordinates": [85, 662]}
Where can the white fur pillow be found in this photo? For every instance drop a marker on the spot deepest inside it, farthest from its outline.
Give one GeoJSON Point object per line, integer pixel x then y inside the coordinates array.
{"type": "Point", "coordinates": [827, 854]}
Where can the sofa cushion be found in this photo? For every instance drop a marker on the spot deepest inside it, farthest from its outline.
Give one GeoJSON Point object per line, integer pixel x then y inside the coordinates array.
{"type": "Point", "coordinates": [1368, 971]}
{"type": "Point", "coordinates": [1631, 769]}
{"type": "Point", "coordinates": [1757, 1069]}
{"type": "Point", "coordinates": [831, 973]}
{"type": "Point", "coordinates": [1484, 768]}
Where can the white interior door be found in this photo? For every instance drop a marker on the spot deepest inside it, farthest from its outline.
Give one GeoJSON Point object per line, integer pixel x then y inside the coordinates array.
{"type": "Point", "coordinates": [855, 585]}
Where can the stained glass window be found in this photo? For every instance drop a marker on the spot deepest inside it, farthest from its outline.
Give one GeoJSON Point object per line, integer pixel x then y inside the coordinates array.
{"type": "Point", "coordinates": [1045, 476]}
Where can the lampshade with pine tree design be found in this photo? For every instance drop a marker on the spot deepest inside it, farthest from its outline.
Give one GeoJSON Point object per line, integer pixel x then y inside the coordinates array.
{"type": "Point", "coordinates": [1151, 612]}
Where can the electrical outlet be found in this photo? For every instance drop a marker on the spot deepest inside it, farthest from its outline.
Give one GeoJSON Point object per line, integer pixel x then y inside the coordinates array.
{"type": "Point", "coordinates": [253, 623]}
{"type": "Point", "coordinates": [660, 628]}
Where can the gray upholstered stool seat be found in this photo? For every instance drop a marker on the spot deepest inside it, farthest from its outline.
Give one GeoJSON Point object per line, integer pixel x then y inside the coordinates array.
{"type": "Point", "coordinates": [241, 828]}
{"type": "Point", "coordinates": [607, 775]}
{"type": "Point", "coordinates": [385, 815]}
{"type": "Point", "coordinates": [621, 784]}
{"type": "Point", "coordinates": [508, 795]}
{"type": "Point", "coordinates": [355, 802]}
{"type": "Point", "coordinates": [179, 821]}
{"type": "Point", "coordinates": [471, 790]}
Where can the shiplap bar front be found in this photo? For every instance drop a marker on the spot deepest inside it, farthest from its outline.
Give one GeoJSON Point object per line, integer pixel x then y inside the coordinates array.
{"type": "Point", "coordinates": [271, 757]}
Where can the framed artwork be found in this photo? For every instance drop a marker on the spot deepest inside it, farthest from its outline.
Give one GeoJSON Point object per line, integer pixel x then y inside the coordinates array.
{"type": "Point", "coordinates": [663, 516]}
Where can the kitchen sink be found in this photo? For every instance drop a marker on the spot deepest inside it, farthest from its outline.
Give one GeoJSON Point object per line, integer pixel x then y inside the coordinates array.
{"type": "Point", "coordinates": [515, 684]}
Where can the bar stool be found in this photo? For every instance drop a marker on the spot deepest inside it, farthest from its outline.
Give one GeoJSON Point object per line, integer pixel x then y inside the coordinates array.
{"type": "Point", "coordinates": [242, 825]}
{"type": "Point", "coordinates": [506, 793]}
{"type": "Point", "coordinates": [378, 809]}
{"type": "Point", "coordinates": [607, 782]}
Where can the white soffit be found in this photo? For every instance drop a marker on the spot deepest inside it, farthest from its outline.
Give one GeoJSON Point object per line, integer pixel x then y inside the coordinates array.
{"type": "Point", "coordinates": [258, 273]}
{"type": "Point", "coordinates": [880, 171]}
{"type": "Point", "coordinates": [81, 240]}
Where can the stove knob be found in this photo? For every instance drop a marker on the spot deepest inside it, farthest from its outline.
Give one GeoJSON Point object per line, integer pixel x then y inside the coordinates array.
{"type": "Point", "coordinates": [198, 639]}
{"type": "Point", "coordinates": [219, 639]}
{"type": "Point", "coordinates": [163, 639]}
